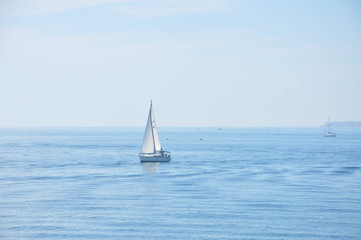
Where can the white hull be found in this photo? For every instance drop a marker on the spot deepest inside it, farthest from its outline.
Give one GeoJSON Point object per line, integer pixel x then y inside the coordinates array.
{"type": "Point", "coordinates": [330, 135]}
{"type": "Point", "coordinates": [154, 158]}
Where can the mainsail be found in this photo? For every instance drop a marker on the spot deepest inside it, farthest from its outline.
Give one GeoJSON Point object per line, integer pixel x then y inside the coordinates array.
{"type": "Point", "coordinates": [151, 142]}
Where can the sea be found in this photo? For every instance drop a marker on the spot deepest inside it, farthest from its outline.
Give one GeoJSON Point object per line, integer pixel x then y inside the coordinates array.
{"type": "Point", "coordinates": [233, 183]}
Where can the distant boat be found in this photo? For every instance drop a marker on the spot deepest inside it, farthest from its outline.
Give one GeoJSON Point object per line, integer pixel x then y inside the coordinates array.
{"type": "Point", "coordinates": [151, 149]}
{"type": "Point", "coordinates": [329, 132]}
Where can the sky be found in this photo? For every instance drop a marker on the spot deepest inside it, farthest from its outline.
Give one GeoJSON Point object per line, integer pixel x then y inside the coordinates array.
{"type": "Point", "coordinates": [229, 63]}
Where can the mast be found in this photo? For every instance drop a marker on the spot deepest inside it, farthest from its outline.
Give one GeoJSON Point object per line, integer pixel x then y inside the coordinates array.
{"type": "Point", "coordinates": [148, 139]}
{"type": "Point", "coordinates": [151, 124]}
{"type": "Point", "coordinates": [328, 125]}
{"type": "Point", "coordinates": [158, 146]}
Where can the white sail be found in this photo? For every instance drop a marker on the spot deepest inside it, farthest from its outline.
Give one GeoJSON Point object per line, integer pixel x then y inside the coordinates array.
{"type": "Point", "coordinates": [158, 147]}
{"type": "Point", "coordinates": [148, 140]}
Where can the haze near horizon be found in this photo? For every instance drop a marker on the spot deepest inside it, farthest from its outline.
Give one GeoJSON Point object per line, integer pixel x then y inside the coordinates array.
{"type": "Point", "coordinates": [203, 63]}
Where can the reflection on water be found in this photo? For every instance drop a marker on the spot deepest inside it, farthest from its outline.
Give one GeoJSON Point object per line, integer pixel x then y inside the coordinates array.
{"type": "Point", "coordinates": [150, 167]}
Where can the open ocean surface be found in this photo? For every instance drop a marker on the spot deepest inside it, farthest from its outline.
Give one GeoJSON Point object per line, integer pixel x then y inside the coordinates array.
{"type": "Point", "coordinates": [246, 183]}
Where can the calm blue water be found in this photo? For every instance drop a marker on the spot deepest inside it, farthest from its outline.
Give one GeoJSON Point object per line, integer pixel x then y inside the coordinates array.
{"type": "Point", "coordinates": [251, 183]}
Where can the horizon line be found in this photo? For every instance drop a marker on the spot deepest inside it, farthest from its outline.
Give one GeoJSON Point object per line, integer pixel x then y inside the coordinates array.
{"type": "Point", "coordinates": [209, 126]}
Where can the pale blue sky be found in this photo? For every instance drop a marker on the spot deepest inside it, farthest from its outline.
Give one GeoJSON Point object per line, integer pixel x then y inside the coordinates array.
{"type": "Point", "coordinates": [204, 63]}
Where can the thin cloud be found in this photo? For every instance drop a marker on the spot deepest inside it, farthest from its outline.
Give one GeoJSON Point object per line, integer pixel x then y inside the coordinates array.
{"type": "Point", "coordinates": [161, 8]}
{"type": "Point", "coordinates": [17, 8]}
{"type": "Point", "coordinates": [129, 8]}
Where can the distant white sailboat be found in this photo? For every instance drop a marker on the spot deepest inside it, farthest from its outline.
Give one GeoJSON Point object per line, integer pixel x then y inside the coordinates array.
{"type": "Point", "coordinates": [329, 132]}
{"type": "Point", "coordinates": [151, 149]}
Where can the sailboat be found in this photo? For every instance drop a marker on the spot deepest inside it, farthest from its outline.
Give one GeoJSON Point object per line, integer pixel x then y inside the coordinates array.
{"type": "Point", "coordinates": [152, 150]}
{"type": "Point", "coordinates": [329, 132]}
